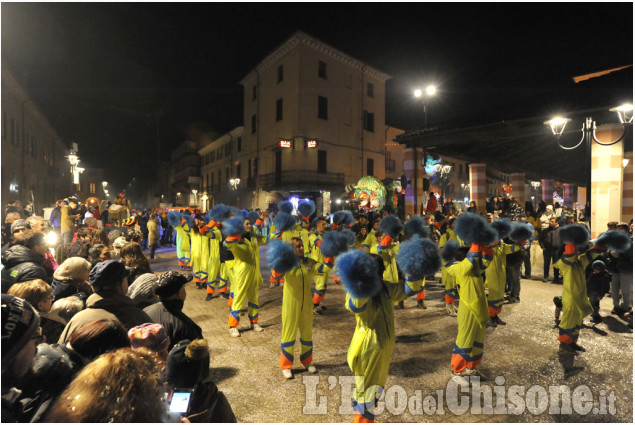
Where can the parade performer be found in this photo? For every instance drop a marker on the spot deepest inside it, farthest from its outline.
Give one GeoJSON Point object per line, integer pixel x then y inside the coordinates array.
{"type": "Point", "coordinates": [473, 313]}
{"type": "Point", "coordinates": [371, 299]}
{"type": "Point", "coordinates": [182, 239]}
{"type": "Point", "coordinates": [212, 232]}
{"type": "Point", "coordinates": [246, 274]}
{"type": "Point", "coordinates": [306, 208]}
{"type": "Point", "coordinates": [288, 259]}
{"type": "Point", "coordinates": [495, 275]}
{"type": "Point", "coordinates": [572, 263]}
{"type": "Point", "coordinates": [321, 280]}
{"type": "Point", "coordinates": [416, 225]}
{"type": "Point", "coordinates": [285, 230]}
{"type": "Point", "coordinates": [390, 227]}
{"type": "Point", "coordinates": [371, 238]}
{"type": "Point", "coordinates": [448, 283]}
{"type": "Point", "coordinates": [199, 250]}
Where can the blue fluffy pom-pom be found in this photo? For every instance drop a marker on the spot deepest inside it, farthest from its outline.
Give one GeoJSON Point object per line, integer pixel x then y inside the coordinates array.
{"type": "Point", "coordinates": [220, 212]}
{"type": "Point", "coordinates": [174, 218]}
{"type": "Point", "coordinates": [503, 227]}
{"type": "Point", "coordinates": [358, 272]}
{"type": "Point", "coordinates": [188, 219]}
{"type": "Point", "coordinates": [284, 222]}
{"type": "Point", "coordinates": [419, 257]}
{"type": "Point", "coordinates": [281, 256]}
{"type": "Point", "coordinates": [473, 228]}
{"type": "Point", "coordinates": [343, 218]}
{"type": "Point", "coordinates": [306, 208]}
{"type": "Point", "coordinates": [449, 249]}
{"type": "Point", "coordinates": [391, 225]}
{"type": "Point", "coordinates": [521, 231]}
{"type": "Point", "coordinates": [285, 207]}
{"type": "Point", "coordinates": [234, 226]}
{"type": "Point", "coordinates": [253, 216]}
{"type": "Point", "coordinates": [349, 236]}
{"type": "Point", "coordinates": [334, 243]}
{"type": "Point", "coordinates": [574, 233]}
{"type": "Point", "coordinates": [416, 226]}
{"type": "Point", "coordinates": [615, 241]}
{"type": "Point", "coordinates": [244, 213]}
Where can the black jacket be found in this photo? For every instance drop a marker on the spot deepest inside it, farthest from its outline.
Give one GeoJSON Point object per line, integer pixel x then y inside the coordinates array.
{"type": "Point", "coordinates": [177, 325]}
{"type": "Point", "coordinates": [599, 283]}
{"type": "Point", "coordinates": [24, 264]}
{"type": "Point", "coordinates": [68, 288]}
{"type": "Point", "coordinates": [549, 239]}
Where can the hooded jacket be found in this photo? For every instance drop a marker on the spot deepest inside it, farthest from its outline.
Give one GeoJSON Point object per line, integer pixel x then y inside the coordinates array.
{"type": "Point", "coordinates": [24, 264]}
{"type": "Point", "coordinates": [177, 325]}
{"type": "Point", "coordinates": [116, 213]}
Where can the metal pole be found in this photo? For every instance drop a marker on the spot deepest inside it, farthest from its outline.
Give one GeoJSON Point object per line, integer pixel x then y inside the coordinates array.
{"type": "Point", "coordinates": [589, 139]}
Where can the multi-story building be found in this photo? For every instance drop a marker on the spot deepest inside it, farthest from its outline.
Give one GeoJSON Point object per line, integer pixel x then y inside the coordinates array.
{"type": "Point", "coordinates": [314, 121]}
{"type": "Point", "coordinates": [33, 163]}
{"type": "Point", "coordinates": [91, 185]}
{"type": "Point", "coordinates": [184, 174]}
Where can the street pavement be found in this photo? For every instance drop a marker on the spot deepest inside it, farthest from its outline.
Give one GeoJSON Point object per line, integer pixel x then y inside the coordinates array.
{"type": "Point", "coordinates": [522, 357]}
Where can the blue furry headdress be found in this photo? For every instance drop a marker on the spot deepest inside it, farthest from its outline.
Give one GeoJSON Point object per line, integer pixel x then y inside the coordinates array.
{"type": "Point", "coordinates": [285, 207]}
{"type": "Point", "coordinates": [343, 218]}
{"type": "Point", "coordinates": [358, 273]}
{"type": "Point", "coordinates": [334, 243]}
{"type": "Point", "coordinates": [244, 213]}
{"type": "Point", "coordinates": [174, 218]}
{"type": "Point", "coordinates": [253, 216]}
{"type": "Point", "coordinates": [284, 222]}
{"type": "Point", "coordinates": [281, 256]}
{"type": "Point", "coordinates": [449, 250]}
{"type": "Point", "coordinates": [391, 225]}
{"type": "Point", "coordinates": [574, 233]}
{"type": "Point", "coordinates": [349, 236]}
{"type": "Point", "coordinates": [521, 231]}
{"type": "Point", "coordinates": [503, 227]}
{"type": "Point", "coordinates": [188, 219]}
{"type": "Point", "coordinates": [219, 213]}
{"type": "Point", "coordinates": [615, 241]}
{"type": "Point", "coordinates": [234, 226]}
{"type": "Point", "coordinates": [416, 226]}
{"type": "Point", "coordinates": [306, 208]}
{"type": "Point", "coordinates": [419, 257]}
{"type": "Point", "coordinates": [473, 228]}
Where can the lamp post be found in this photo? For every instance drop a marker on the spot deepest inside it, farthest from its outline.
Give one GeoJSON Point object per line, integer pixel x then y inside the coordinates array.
{"type": "Point", "coordinates": [535, 185]}
{"type": "Point", "coordinates": [430, 91]}
{"type": "Point", "coordinates": [195, 191]}
{"type": "Point", "coordinates": [234, 184]}
{"type": "Point", "coordinates": [557, 125]}
{"type": "Point", "coordinates": [466, 188]}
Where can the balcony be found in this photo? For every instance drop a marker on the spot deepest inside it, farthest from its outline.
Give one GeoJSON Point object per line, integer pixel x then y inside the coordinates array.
{"type": "Point", "coordinates": [300, 179]}
{"type": "Point", "coordinates": [391, 166]}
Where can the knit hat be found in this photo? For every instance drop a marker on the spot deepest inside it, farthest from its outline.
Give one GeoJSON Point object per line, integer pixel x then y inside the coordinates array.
{"type": "Point", "coordinates": [598, 265]}
{"type": "Point", "coordinates": [187, 363]}
{"type": "Point", "coordinates": [20, 322]}
{"type": "Point", "coordinates": [142, 289]}
{"type": "Point", "coordinates": [149, 335]}
{"type": "Point", "coordinates": [72, 268]}
{"type": "Point", "coordinates": [107, 274]}
{"type": "Point", "coordinates": [19, 224]}
{"type": "Point", "coordinates": [170, 283]}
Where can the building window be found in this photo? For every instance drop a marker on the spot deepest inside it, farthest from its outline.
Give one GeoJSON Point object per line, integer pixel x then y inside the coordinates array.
{"type": "Point", "coordinates": [92, 188]}
{"type": "Point", "coordinates": [78, 187]}
{"type": "Point", "coordinates": [323, 108]}
{"type": "Point", "coordinates": [238, 170]}
{"type": "Point", "coordinates": [219, 153]}
{"type": "Point", "coordinates": [227, 173]}
{"type": "Point", "coordinates": [370, 167]}
{"type": "Point", "coordinates": [369, 121]}
{"type": "Point", "coordinates": [322, 69]}
{"type": "Point", "coordinates": [228, 149]}
{"type": "Point", "coordinates": [211, 180]}
{"type": "Point", "coordinates": [220, 178]}
{"type": "Point", "coordinates": [253, 123]}
{"type": "Point", "coordinates": [239, 144]}
{"type": "Point", "coordinates": [279, 110]}
{"type": "Point", "coordinates": [321, 162]}
{"type": "Point", "coordinates": [253, 93]}
{"type": "Point", "coordinates": [280, 73]}
{"type": "Point", "coordinates": [370, 90]}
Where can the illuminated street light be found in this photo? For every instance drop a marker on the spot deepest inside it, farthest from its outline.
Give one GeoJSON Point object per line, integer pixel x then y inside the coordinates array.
{"type": "Point", "coordinates": [419, 94]}
{"type": "Point", "coordinates": [558, 124]}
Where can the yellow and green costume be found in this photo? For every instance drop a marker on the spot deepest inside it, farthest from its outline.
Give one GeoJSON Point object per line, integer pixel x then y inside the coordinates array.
{"type": "Point", "coordinates": [449, 283]}
{"type": "Point", "coordinates": [495, 276]}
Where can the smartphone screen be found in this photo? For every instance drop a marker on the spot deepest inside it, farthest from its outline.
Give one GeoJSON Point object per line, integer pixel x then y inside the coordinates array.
{"type": "Point", "coordinates": [180, 401]}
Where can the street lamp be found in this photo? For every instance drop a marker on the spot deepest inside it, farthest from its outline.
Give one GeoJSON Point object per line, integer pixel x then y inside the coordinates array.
{"type": "Point", "coordinates": [195, 191]}
{"type": "Point", "coordinates": [535, 185]}
{"type": "Point", "coordinates": [234, 184]}
{"type": "Point", "coordinates": [430, 91]}
{"type": "Point", "coordinates": [558, 124]}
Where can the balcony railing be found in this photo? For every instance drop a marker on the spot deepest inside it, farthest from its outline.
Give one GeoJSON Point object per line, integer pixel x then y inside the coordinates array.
{"type": "Point", "coordinates": [300, 179]}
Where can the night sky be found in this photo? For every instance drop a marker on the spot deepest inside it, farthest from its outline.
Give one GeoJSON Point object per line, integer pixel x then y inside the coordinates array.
{"type": "Point", "coordinates": [102, 73]}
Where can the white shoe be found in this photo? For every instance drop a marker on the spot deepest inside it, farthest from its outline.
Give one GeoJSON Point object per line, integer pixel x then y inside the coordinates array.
{"type": "Point", "coordinates": [287, 373]}
{"type": "Point", "coordinates": [234, 333]}
{"type": "Point", "coordinates": [310, 368]}
{"type": "Point", "coordinates": [256, 327]}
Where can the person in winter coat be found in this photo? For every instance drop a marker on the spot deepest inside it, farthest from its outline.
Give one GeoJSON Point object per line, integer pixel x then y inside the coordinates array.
{"type": "Point", "coordinates": [169, 312]}
{"type": "Point", "coordinates": [118, 212]}
{"type": "Point", "coordinates": [134, 258]}
{"type": "Point", "coordinates": [371, 299]}
{"type": "Point", "coordinates": [40, 295]}
{"type": "Point", "coordinates": [597, 285]}
{"type": "Point", "coordinates": [188, 367]}
{"type": "Point", "coordinates": [69, 214]}
{"type": "Point", "coordinates": [56, 217]}
{"type": "Point", "coordinates": [23, 260]}
{"type": "Point", "coordinates": [153, 234]}
{"type": "Point", "coordinates": [550, 243]}
{"type": "Point", "coordinates": [71, 278]}
{"type": "Point", "coordinates": [432, 203]}
{"type": "Point", "coordinates": [297, 312]}
{"type": "Point", "coordinates": [109, 280]}
{"type": "Point", "coordinates": [621, 268]}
